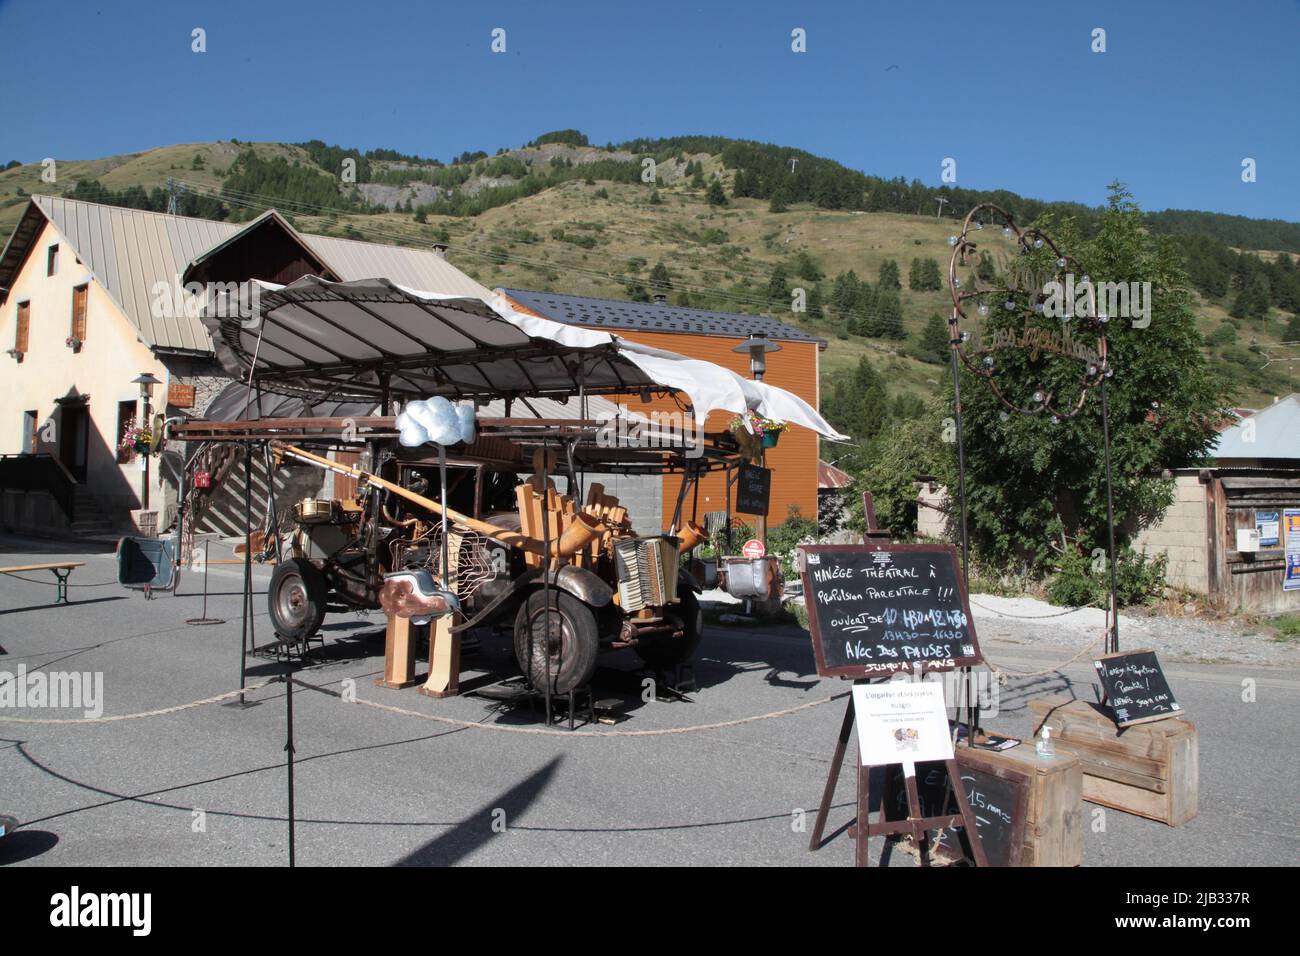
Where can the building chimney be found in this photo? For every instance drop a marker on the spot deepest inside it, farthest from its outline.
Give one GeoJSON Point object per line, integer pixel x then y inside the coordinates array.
{"type": "Point", "coordinates": [440, 250]}
{"type": "Point", "coordinates": [661, 299]}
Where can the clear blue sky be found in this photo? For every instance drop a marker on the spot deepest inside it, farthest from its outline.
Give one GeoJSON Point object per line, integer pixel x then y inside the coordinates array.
{"type": "Point", "coordinates": [1011, 90]}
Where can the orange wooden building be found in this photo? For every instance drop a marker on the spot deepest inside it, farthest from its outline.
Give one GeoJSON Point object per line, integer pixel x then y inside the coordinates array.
{"type": "Point", "coordinates": [712, 336]}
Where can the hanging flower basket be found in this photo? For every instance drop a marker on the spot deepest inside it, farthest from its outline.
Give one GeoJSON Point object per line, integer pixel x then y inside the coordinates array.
{"type": "Point", "coordinates": [135, 441]}
{"type": "Point", "coordinates": [768, 431]}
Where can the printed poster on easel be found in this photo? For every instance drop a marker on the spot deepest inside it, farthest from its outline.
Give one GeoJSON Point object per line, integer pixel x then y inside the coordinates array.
{"type": "Point", "coordinates": [902, 722]}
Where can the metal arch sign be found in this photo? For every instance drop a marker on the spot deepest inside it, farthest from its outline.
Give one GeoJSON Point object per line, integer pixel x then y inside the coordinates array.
{"type": "Point", "coordinates": [1043, 314]}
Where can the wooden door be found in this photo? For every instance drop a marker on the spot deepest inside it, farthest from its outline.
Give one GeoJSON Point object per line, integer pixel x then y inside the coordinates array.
{"type": "Point", "coordinates": [73, 433]}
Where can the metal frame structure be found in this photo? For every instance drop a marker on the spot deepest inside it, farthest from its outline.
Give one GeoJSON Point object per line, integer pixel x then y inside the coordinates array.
{"type": "Point", "coordinates": [1095, 375]}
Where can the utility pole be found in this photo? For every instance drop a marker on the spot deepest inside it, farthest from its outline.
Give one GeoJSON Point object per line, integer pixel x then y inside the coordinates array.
{"type": "Point", "coordinates": [793, 160]}
{"type": "Point", "coordinates": [171, 196]}
{"type": "Point", "coordinates": [941, 201]}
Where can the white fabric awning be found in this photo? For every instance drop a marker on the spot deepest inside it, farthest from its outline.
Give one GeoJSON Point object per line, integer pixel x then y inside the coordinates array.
{"type": "Point", "coordinates": [350, 339]}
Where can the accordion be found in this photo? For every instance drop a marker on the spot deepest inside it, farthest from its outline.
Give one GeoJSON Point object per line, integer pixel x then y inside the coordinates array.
{"type": "Point", "coordinates": [646, 569]}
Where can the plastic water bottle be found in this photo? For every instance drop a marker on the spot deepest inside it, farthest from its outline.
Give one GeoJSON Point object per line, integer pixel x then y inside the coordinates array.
{"type": "Point", "coordinates": [1045, 747]}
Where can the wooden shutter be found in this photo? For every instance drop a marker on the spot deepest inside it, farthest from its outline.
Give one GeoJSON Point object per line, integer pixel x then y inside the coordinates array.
{"type": "Point", "coordinates": [79, 296]}
{"type": "Point", "coordinates": [24, 326]}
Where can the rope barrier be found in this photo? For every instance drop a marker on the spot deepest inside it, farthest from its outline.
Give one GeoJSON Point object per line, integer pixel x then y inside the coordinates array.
{"type": "Point", "coordinates": [454, 721]}
{"type": "Point", "coordinates": [139, 714]}
{"type": "Point", "coordinates": [1032, 617]}
{"type": "Point", "coordinates": [55, 584]}
{"type": "Point", "coordinates": [506, 728]}
{"type": "Point", "coordinates": [1004, 675]}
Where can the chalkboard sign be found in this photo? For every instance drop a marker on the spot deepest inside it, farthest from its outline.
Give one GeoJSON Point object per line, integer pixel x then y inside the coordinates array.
{"type": "Point", "coordinates": [875, 609]}
{"type": "Point", "coordinates": [1135, 687]}
{"type": "Point", "coordinates": [753, 487]}
{"type": "Point", "coordinates": [998, 798]}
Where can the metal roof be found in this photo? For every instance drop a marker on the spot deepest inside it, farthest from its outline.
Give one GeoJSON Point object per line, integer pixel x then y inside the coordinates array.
{"type": "Point", "coordinates": [413, 268]}
{"type": "Point", "coordinates": [1271, 433]}
{"type": "Point", "coordinates": [654, 317]}
{"type": "Point", "coordinates": [130, 250]}
{"type": "Point", "coordinates": [830, 477]}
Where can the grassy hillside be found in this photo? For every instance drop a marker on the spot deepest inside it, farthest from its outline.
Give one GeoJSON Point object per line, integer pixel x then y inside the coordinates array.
{"type": "Point", "coordinates": [602, 235]}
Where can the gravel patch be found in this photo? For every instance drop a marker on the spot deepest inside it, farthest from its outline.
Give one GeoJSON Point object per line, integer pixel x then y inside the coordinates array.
{"type": "Point", "coordinates": [1025, 621]}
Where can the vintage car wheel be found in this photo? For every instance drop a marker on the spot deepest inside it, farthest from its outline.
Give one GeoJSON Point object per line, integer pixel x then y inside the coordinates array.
{"type": "Point", "coordinates": [296, 598]}
{"type": "Point", "coordinates": [572, 647]}
{"type": "Point", "coordinates": [664, 652]}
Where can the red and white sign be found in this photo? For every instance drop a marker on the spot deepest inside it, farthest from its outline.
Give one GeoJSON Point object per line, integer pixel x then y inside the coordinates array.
{"type": "Point", "coordinates": [754, 549]}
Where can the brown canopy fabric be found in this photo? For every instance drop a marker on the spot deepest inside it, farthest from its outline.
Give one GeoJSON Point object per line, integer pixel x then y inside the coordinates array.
{"type": "Point", "coordinates": [343, 339]}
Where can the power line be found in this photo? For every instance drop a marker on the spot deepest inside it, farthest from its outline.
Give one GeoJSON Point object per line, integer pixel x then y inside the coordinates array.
{"type": "Point", "coordinates": [255, 201]}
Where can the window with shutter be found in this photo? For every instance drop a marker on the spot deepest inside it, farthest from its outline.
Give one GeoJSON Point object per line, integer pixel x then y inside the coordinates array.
{"type": "Point", "coordinates": [79, 296]}
{"type": "Point", "coordinates": [24, 326]}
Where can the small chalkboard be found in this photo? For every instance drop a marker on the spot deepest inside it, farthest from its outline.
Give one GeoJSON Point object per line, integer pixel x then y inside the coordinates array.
{"type": "Point", "coordinates": [878, 608]}
{"type": "Point", "coordinates": [753, 488]}
{"type": "Point", "coordinates": [1135, 687]}
{"type": "Point", "coordinates": [998, 798]}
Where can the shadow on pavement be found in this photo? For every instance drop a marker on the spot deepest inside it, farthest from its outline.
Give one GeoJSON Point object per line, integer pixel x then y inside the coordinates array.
{"type": "Point", "coordinates": [476, 829]}
{"type": "Point", "coordinates": [25, 844]}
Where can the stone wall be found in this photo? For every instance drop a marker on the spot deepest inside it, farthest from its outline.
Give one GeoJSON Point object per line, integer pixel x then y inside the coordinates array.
{"type": "Point", "coordinates": [1181, 535]}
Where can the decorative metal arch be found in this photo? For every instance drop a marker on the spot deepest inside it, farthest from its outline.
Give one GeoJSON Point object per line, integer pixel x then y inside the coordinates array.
{"type": "Point", "coordinates": [1027, 302]}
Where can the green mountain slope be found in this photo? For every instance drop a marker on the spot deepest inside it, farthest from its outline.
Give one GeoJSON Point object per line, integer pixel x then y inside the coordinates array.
{"type": "Point", "coordinates": [565, 216]}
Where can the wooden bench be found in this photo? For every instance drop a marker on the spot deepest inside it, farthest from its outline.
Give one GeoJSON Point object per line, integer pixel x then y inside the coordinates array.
{"type": "Point", "coordinates": [60, 570]}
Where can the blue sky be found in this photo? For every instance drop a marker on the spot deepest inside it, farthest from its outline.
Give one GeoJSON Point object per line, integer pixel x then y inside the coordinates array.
{"type": "Point", "coordinates": [1011, 90]}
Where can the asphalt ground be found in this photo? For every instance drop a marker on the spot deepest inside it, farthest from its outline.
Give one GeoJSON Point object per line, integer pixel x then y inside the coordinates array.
{"type": "Point", "coordinates": [207, 785]}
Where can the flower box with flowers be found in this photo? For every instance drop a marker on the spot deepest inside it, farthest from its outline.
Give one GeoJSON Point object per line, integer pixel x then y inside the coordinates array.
{"type": "Point", "coordinates": [135, 441]}
{"type": "Point", "coordinates": [768, 432]}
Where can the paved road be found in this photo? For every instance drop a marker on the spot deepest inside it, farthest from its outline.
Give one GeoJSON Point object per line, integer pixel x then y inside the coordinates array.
{"type": "Point", "coordinates": [207, 786]}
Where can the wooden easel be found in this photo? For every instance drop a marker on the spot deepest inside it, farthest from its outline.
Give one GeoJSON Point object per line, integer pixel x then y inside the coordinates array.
{"type": "Point", "coordinates": [915, 824]}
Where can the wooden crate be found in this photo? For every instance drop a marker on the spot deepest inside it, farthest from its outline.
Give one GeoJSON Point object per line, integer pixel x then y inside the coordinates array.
{"type": "Point", "coordinates": [1148, 769]}
{"type": "Point", "coordinates": [1054, 813]}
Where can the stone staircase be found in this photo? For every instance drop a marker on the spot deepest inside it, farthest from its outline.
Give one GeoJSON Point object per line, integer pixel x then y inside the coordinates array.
{"type": "Point", "coordinates": [90, 518]}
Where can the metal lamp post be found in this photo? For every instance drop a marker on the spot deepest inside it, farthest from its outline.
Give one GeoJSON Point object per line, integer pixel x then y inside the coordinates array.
{"type": "Point", "coordinates": [146, 381]}
{"type": "Point", "coordinates": [758, 345]}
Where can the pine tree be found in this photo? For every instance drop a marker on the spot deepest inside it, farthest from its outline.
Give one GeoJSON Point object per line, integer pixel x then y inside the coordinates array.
{"type": "Point", "coordinates": [716, 195]}
{"type": "Point", "coordinates": [660, 280]}
{"type": "Point", "coordinates": [889, 316]}
{"type": "Point", "coordinates": [815, 305]}
{"type": "Point", "coordinates": [844, 291]}
{"type": "Point", "coordinates": [935, 338]}
{"type": "Point", "coordinates": [780, 201]}
{"type": "Point", "coordinates": [889, 275]}
{"type": "Point", "coordinates": [914, 278]}
{"type": "Point", "coordinates": [778, 289]}
{"type": "Point", "coordinates": [858, 403]}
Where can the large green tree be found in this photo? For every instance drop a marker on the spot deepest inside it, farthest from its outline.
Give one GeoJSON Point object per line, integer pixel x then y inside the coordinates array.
{"type": "Point", "coordinates": [1029, 479]}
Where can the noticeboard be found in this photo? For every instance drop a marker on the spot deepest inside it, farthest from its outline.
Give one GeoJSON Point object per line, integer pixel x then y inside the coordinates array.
{"type": "Point", "coordinates": [1136, 688]}
{"type": "Point", "coordinates": [998, 797]}
{"type": "Point", "coordinates": [879, 608]}
{"type": "Point", "coordinates": [753, 489]}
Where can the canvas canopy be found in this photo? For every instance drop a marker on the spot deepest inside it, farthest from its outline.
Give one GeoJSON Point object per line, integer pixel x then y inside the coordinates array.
{"type": "Point", "coordinates": [351, 341]}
